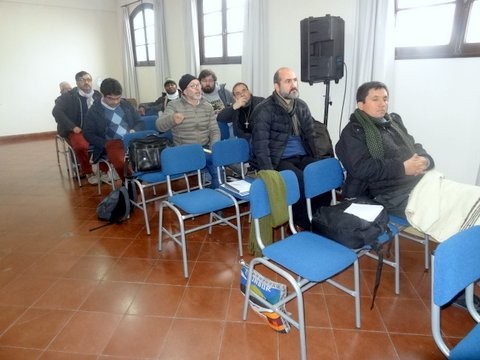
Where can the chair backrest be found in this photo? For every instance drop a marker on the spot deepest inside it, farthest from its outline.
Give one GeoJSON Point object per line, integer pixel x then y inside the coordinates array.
{"type": "Point", "coordinates": [230, 151]}
{"type": "Point", "coordinates": [456, 265]}
{"type": "Point", "coordinates": [259, 202]}
{"type": "Point", "coordinates": [224, 130]}
{"type": "Point", "coordinates": [322, 176]}
{"type": "Point", "coordinates": [182, 159]}
{"type": "Point", "coordinates": [149, 122]}
{"type": "Point", "coordinates": [135, 135]}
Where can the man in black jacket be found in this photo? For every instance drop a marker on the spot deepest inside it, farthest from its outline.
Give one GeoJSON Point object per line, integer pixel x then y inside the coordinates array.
{"type": "Point", "coordinates": [239, 113]}
{"type": "Point", "coordinates": [69, 112]}
{"type": "Point", "coordinates": [382, 159]}
{"type": "Point", "coordinates": [284, 137]}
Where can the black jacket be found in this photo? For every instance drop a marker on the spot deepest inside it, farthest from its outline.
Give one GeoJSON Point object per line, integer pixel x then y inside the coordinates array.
{"type": "Point", "coordinates": [229, 115]}
{"type": "Point", "coordinates": [272, 128]}
{"type": "Point", "coordinates": [70, 111]}
{"type": "Point", "coordinates": [369, 176]}
{"type": "Point", "coordinates": [96, 125]}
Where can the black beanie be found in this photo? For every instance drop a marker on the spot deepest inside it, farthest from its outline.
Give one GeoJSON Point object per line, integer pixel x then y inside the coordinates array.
{"type": "Point", "coordinates": [185, 80]}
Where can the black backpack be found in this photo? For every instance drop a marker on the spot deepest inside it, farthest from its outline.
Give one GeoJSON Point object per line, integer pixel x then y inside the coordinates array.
{"type": "Point", "coordinates": [114, 208]}
{"type": "Point", "coordinates": [144, 153]}
{"type": "Point", "coordinates": [352, 231]}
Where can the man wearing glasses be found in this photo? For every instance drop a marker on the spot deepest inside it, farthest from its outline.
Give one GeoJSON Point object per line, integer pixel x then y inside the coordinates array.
{"type": "Point", "coordinates": [69, 112]}
{"type": "Point", "coordinates": [191, 120]}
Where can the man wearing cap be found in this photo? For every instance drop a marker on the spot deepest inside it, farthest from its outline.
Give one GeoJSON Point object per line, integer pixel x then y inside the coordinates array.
{"type": "Point", "coordinates": [171, 93]}
{"type": "Point", "coordinates": [191, 119]}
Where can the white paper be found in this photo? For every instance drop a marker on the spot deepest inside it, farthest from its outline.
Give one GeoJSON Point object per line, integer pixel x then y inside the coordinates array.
{"type": "Point", "coordinates": [240, 186]}
{"type": "Point", "coordinates": [364, 211]}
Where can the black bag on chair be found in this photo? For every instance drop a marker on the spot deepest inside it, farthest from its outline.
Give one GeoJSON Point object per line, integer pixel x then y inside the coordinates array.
{"type": "Point", "coordinates": [144, 154]}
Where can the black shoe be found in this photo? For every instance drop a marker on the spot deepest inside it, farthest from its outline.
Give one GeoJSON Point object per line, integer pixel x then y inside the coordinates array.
{"type": "Point", "coordinates": [459, 301]}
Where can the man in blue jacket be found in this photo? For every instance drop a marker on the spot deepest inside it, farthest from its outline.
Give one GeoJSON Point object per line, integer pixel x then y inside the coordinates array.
{"type": "Point", "coordinates": [107, 121]}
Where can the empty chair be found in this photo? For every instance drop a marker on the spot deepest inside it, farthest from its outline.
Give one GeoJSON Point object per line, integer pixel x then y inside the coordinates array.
{"type": "Point", "coordinates": [185, 159]}
{"type": "Point", "coordinates": [456, 266]}
{"type": "Point", "coordinates": [233, 151]}
{"type": "Point", "coordinates": [304, 259]}
{"type": "Point", "coordinates": [327, 175]}
{"type": "Point", "coordinates": [72, 166]}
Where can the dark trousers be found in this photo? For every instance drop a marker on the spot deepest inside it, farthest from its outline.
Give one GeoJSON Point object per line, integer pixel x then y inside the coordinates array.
{"type": "Point", "coordinates": [297, 164]}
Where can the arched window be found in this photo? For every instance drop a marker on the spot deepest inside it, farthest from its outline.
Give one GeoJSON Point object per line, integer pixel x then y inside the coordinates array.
{"type": "Point", "coordinates": [143, 35]}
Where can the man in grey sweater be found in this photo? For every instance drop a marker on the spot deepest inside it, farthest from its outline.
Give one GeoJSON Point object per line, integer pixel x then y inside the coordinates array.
{"type": "Point", "coordinates": [191, 119]}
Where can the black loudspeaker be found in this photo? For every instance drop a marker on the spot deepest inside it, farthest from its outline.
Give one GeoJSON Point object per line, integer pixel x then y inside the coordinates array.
{"type": "Point", "coordinates": [322, 48]}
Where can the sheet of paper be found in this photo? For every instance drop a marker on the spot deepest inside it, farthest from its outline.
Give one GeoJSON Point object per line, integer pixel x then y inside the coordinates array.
{"type": "Point", "coordinates": [364, 211]}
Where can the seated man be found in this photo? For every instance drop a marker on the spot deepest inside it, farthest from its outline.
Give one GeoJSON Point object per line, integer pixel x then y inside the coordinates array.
{"type": "Point", "coordinates": [192, 120]}
{"type": "Point", "coordinates": [239, 113]}
{"type": "Point", "coordinates": [153, 108]}
{"type": "Point", "coordinates": [69, 112]}
{"type": "Point", "coordinates": [285, 137]}
{"type": "Point", "coordinates": [384, 162]}
{"type": "Point", "coordinates": [107, 121]}
{"type": "Point", "coordinates": [381, 158]}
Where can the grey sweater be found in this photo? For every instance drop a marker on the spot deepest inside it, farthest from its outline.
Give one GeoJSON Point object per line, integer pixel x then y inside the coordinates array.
{"type": "Point", "coordinates": [198, 127]}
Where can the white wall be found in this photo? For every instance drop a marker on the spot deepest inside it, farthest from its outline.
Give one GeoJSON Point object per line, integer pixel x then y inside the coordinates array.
{"type": "Point", "coordinates": [437, 98]}
{"type": "Point", "coordinates": [45, 42]}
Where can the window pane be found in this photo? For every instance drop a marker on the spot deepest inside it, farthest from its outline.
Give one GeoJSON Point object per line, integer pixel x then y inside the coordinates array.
{"type": "Point", "coordinates": [234, 20]}
{"type": "Point", "coordinates": [138, 21]}
{"type": "Point", "coordinates": [211, 5]}
{"type": "Point", "coordinates": [213, 24]}
{"type": "Point", "coordinates": [151, 52]}
{"type": "Point", "coordinates": [235, 4]}
{"type": "Point", "coordinates": [150, 34]}
{"type": "Point", "coordinates": [213, 46]}
{"type": "Point", "coordinates": [413, 30]}
{"type": "Point", "coordinates": [402, 4]}
{"type": "Point", "coordinates": [139, 37]}
{"type": "Point", "coordinates": [473, 27]}
{"type": "Point", "coordinates": [149, 17]}
{"type": "Point", "coordinates": [235, 44]}
{"type": "Point", "coordinates": [141, 53]}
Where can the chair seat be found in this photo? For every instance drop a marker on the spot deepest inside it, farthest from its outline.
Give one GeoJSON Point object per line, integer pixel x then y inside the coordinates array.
{"type": "Point", "coordinates": [311, 256]}
{"type": "Point", "coordinates": [398, 220]}
{"type": "Point", "coordinates": [201, 201]}
{"type": "Point", "coordinates": [469, 347]}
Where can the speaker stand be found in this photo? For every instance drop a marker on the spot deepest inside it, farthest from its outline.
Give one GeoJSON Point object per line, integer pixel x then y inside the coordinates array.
{"type": "Point", "coordinates": [327, 102]}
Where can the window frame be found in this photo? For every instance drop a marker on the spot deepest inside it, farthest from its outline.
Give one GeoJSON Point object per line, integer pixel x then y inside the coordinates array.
{"type": "Point", "coordinates": [140, 9]}
{"type": "Point", "coordinates": [224, 59]}
{"type": "Point", "coordinates": [457, 48]}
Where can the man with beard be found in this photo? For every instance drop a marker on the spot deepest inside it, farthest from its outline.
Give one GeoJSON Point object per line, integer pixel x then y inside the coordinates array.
{"type": "Point", "coordinates": [283, 137]}
{"type": "Point", "coordinates": [214, 93]}
{"type": "Point", "coordinates": [239, 114]}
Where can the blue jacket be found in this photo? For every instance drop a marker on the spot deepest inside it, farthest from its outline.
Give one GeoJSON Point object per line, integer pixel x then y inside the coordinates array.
{"type": "Point", "coordinates": [96, 125]}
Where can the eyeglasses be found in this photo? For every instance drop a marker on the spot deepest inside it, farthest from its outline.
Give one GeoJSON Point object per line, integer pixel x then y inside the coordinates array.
{"type": "Point", "coordinates": [85, 80]}
{"type": "Point", "coordinates": [194, 86]}
{"type": "Point", "coordinates": [113, 98]}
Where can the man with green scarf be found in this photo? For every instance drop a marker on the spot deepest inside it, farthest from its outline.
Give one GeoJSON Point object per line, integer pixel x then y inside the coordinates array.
{"type": "Point", "coordinates": [381, 158]}
{"type": "Point", "coordinates": [286, 136]}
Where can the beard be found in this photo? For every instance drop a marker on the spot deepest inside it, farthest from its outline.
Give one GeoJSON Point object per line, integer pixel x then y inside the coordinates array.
{"type": "Point", "coordinates": [292, 94]}
{"type": "Point", "coordinates": [208, 89]}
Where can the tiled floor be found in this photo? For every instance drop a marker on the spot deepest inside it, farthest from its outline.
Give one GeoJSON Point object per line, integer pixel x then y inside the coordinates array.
{"type": "Point", "coordinates": [67, 293]}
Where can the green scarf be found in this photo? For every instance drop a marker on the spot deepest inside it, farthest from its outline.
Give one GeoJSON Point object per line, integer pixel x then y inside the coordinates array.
{"type": "Point", "coordinates": [277, 197]}
{"type": "Point", "coordinates": [373, 136]}
{"type": "Point", "coordinates": [290, 109]}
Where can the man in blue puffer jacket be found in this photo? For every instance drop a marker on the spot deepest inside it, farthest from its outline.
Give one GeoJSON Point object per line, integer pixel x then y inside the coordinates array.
{"type": "Point", "coordinates": [285, 137]}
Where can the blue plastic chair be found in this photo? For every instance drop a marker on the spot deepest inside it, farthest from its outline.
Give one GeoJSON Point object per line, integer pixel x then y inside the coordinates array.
{"type": "Point", "coordinates": [310, 257]}
{"type": "Point", "coordinates": [185, 159]}
{"type": "Point", "coordinates": [141, 181]}
{"type": "Point", "coordinates": [456, 266]}
{"type": "Point", "coordinates": [327, 175]}
{"type": "Point", "coordinates": [233, 151]}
